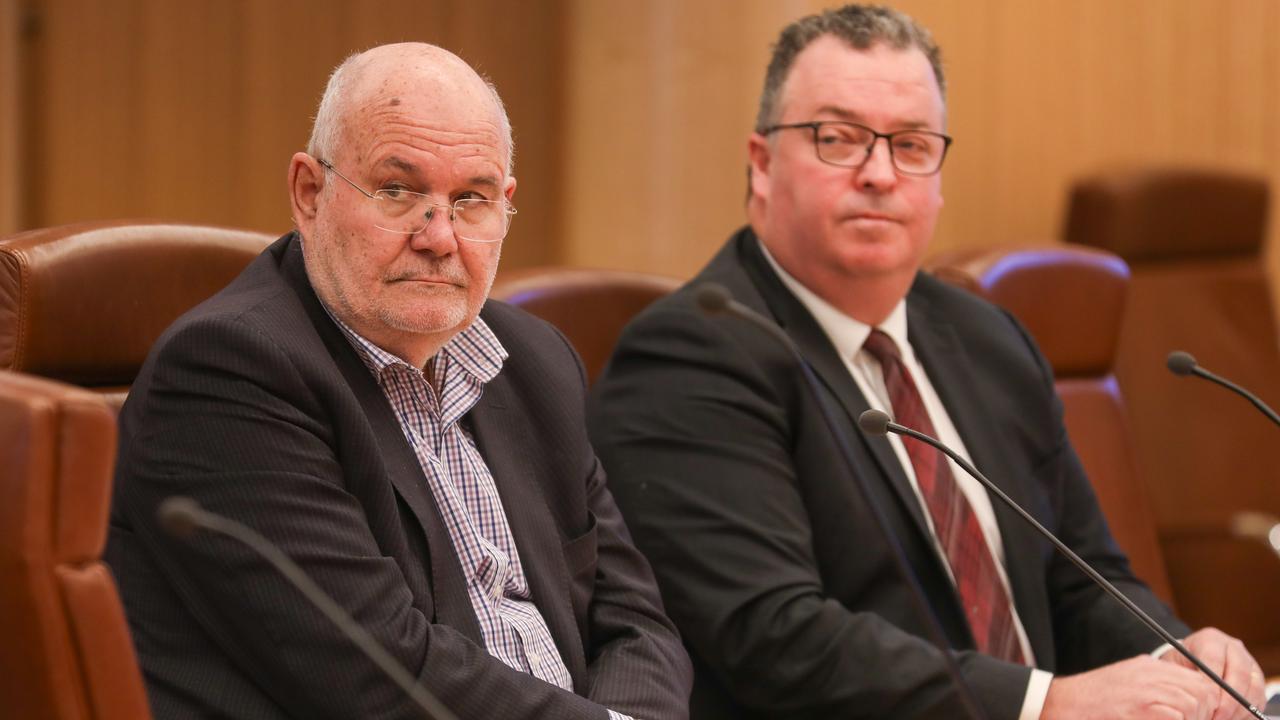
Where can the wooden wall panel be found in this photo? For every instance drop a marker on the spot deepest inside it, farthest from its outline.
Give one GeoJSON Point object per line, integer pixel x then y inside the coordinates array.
{"type": "Point", "coordinates": [662, 94]}
{"type": "Point", "coordinates": [10, 115]}
{"type": "Point", "coordinates": [661, 99]}
{"type": "Point", "coordinates": [630, 118]}
{"type": "Point", "coordinates": [190, 111]}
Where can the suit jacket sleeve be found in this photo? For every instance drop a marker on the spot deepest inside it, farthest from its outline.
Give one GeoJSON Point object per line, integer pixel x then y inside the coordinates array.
{"type": "Point", "coordinates": [232, 421]}
{"type": "Point", "coordinates": [697, 423]}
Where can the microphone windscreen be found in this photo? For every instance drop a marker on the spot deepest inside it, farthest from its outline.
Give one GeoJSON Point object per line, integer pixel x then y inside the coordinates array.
{"type": "Point", "coordinates": [712, 298]}
{"type": "Point", "coordinates": [1181, 363]}
{"type": "Point", "coordinates": [179, 516]}
{"type": "Point", "coordinates": [874, 422]}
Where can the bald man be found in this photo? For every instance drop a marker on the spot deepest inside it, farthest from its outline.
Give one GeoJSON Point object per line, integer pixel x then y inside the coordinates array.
{"type": "Point", "coordinates": [418, 450]}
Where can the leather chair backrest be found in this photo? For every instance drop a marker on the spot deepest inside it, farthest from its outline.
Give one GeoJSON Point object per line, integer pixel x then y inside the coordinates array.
{"type": "Point", "coordinates": [65, 651]}
{"type": "Point", "coordinates": [83, 303]}
{"type": "Point", "coordinates": [1071, 300]}
{"type": "Point", "coordinates": [589, 306]}
{"type": "Point", "coordinates": [1193, 240]}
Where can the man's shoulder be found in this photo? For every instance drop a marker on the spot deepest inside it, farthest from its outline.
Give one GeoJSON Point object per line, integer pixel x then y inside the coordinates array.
{"type": "Point", "coordinates": [265, 295]}
{"type": "Point", "coordinates": [259, 313]}
{"type": "Point", "coordinates": [517, 328]}
{"type": "Point", "coordinates": [936, 300]}
{"type": "Point", "coordinates": [536, 349]}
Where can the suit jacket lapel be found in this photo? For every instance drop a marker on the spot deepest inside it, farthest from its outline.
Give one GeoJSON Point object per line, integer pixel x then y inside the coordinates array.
{"type": "Point", "coordinates": [452, 606]}
{"type": "Point", "coordinates": [821, 355]}
{"type": "Point", "coordinates": [952, 375]}
{"type": "Point", "coordinates": [506, 443]}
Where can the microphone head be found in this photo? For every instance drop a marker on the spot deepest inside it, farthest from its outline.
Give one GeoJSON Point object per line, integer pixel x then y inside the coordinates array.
{"type": "Point", "coordinates": [1180, 363]}
{"type": "Point", "coordinates": [179, 516]}
{"type": "Point", "coordinates": [874, 422]}
{"type": "Point", "coordinates": [712, 298]}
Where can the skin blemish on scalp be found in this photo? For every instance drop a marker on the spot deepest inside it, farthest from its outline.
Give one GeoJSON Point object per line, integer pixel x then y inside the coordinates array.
{"type": "Point", "coordinates": [394, 102]}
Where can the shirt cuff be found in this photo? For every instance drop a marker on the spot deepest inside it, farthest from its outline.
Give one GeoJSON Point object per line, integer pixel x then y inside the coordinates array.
{"type": "Point", "coordinates": [1037, 691]}
{"type": "Point", "coordinates": [1160, 651]}
{"type": "Point", "coordinates": [618, 716]}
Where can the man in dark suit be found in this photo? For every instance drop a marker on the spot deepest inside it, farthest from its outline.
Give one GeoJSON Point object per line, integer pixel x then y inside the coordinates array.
{"type": "Point", "coordinates": [769, 559]}
{"type": "Point", "coordinates": [423, 459]}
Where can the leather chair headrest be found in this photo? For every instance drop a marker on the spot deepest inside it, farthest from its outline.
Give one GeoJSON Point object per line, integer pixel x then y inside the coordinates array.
{"type": "Point", "coordinates": [1070, 299]}
{"type": "Point", "coordinates": [589, 306]}
{"type": "Point", "coordinates": [83, 303]}
{"type": "Point", "coordinates": [1169, 214]}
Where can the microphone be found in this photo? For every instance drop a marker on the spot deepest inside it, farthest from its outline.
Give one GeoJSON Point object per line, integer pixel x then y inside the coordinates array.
{"type": "Point", "coordinates": [876, 422]}
{"type": "Point", "coordinates": [1182, 363]}
{"type": "Point", "coordinates": [715, 299]}
{"type": "Point", "coordinates": [183, 517]}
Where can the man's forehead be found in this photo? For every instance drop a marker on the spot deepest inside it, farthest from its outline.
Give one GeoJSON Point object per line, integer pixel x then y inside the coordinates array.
{"type": "Point", "coordinates": [382, 127]}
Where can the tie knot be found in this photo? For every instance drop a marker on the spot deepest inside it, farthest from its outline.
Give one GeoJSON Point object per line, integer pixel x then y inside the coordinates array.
{"type": "Point", "coordinates": [882, 347]}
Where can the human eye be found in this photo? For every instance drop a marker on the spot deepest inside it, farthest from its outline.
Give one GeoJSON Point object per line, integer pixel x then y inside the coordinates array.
{"type": "Point", "coordinates": [914, 143]}
{"type": "Point", "coordinates": [839, 134]}
{"type": "Point", "coordinates": [397, 191]}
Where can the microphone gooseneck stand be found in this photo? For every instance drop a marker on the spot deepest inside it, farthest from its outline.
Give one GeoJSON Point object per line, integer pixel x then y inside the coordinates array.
{"type": "Point", "coordinates": [182, 517]}
{"type": "Point", "coordinates": [875, 422]}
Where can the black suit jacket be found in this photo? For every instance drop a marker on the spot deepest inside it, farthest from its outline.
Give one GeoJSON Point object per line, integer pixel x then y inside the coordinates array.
{"type": "Point", "coordinates": [768, 558]}
{"type": "Point", "coordinates": [257, 406]}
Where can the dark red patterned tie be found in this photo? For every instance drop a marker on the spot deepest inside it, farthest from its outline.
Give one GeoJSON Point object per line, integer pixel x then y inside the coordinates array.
{"type": "Point", "coordinates": [985, 599]}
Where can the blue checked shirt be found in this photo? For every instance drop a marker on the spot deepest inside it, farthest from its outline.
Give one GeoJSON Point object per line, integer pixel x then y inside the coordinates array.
{"type": "Point", "coordinates": [513, 629]}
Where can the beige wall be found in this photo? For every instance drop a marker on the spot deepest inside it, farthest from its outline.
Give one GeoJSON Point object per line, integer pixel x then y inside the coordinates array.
{"type": "Point", "coordinates": [10, 122]}
{"type": "Point", "coordinates": [631, 117]}
{"type": "Point", "coordinates": [190, 110]}
{"type": "Point", "coordinates": [662, 95]}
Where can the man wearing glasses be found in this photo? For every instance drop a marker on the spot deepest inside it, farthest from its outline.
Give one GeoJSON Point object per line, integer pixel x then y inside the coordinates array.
{"type": "Point", "coordinates": [419, 452]}
{"type": "Point", "coordinates": [769, 559]}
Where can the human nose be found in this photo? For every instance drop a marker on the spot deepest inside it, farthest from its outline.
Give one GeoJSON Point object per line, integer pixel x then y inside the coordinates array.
{"type": "Point", "coordinates": [877, 170]}
{"type": "Point", "coordinates": [436, 236]}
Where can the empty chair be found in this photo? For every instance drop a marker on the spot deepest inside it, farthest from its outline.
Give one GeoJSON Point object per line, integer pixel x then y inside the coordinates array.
{"type": "Point", "coordinates": [589, 306]}
{"type": "Point", "coordinates": [66, 652]}
{"type": "Point", "coordinates": [83, 303]}
{"type": "Point", "coordinates": [1194, 241]}
{"type": "Point", "coordinates": [1070, 300]}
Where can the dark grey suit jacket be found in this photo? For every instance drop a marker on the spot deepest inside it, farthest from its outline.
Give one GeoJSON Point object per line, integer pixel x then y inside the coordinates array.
{"type": "Point", "coordinates": [767, 556]}
{"type": "Point", "coordinates": [256, 405]}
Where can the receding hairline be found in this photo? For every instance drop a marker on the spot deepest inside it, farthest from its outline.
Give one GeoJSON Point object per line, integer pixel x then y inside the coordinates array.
{"type": "Point", "coordinates": [350, 83]}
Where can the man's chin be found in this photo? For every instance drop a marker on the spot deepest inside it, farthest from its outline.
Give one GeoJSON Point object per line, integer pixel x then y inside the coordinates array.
{"type": "Point", "coordinates": [434, 321]}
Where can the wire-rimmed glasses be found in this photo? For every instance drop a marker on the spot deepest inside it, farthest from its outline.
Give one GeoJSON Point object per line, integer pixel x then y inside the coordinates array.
{"type": "Point", "coordinates": [403, 211]}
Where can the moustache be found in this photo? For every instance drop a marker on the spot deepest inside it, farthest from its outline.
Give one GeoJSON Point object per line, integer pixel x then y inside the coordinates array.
{"type": "Point", "coordinates": [447, 270]}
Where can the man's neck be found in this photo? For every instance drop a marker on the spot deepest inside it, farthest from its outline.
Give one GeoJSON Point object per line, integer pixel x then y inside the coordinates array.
{"type": "Point", "coordinates": [869, 298]}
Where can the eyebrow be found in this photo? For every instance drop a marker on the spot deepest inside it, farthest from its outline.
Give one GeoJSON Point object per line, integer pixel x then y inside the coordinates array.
{"type": "Point", "coordinates": [400, 164]}
{"type": "Point", "coordinates": [852, 116]}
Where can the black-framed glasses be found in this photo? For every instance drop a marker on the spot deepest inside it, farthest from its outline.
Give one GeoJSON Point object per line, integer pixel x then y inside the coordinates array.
{"type": "Point", "coordinates": [847, 144]}
{"type": "Point", "coordinates": [402, 211]}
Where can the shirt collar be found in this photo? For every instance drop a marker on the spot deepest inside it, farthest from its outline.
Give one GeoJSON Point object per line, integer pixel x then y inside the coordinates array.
{"type": "Point", "coordinates": [845, 333]}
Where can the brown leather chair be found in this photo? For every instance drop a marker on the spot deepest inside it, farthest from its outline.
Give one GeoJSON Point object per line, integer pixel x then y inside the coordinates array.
{"type": "Point", "coordinates": [1070, 300]}
{"type": "Point", "coordinates": [83, 303]}
{"type": "Point", "coordinates": [1194, 241]}
{"type": "Point", "coordinates": [66, 652]}
{"type": "Point", "coordinates": [589, 306]}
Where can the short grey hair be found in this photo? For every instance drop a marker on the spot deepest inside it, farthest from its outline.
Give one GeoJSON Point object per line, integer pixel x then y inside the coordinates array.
{"type": "Point", "coordinates": [327, 127]}
{"type": "Point", "coordinates": [861, 27]}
